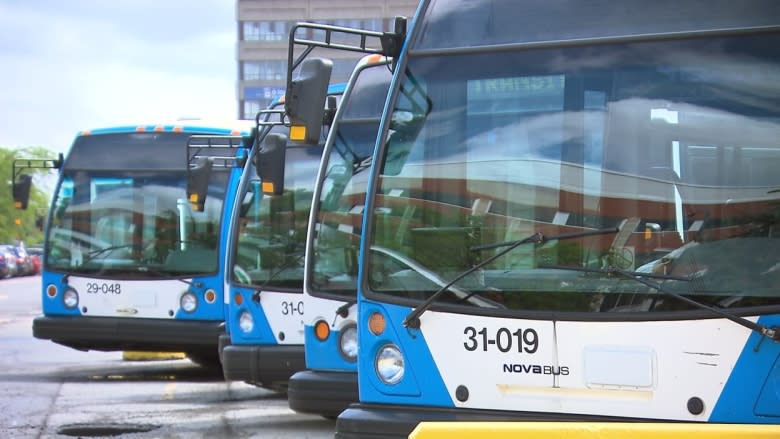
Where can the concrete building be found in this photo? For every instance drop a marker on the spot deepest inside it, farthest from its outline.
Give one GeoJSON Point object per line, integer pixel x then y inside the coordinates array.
{"type": "Point", "coordinates": [263, 33]}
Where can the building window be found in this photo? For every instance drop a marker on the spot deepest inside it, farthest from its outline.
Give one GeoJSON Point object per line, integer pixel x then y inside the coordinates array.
{"type": "Point", "coordinates": [270, 70]}
{"type": "Point", "coordinates": [267, 30]}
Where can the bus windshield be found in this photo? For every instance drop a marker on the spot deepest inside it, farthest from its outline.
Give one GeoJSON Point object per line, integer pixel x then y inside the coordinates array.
{"type": "Point", "coordinates": [271, 235]}
{"type": "Point", "coordinates": [339, 206]}
{"type": "Point", "coordinates": [674, 144]}
{"type": "Point", "coordinates": [127, 212]}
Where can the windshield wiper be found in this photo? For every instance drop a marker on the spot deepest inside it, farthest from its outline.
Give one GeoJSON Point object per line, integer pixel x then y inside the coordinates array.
{"type": "Point", "coordinates": [642, 278]}
{"type": "Point", "coordinates": [151, 270]}
{"type": "Point", "coordinates": [91, 257]}
{"type": "Point", "coordinates": [413, 319]}
{"type": "Point", "coordinates": [141, 268]}
{"type": "Point", "coordinates": [286, 265]}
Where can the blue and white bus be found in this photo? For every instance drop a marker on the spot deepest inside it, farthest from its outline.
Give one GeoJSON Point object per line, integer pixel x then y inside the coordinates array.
{"type": "Point", "coordinates": [572, 215]}
{"type": "Point", "coordinates": [329, 383]}
{"type": "Point", "coordinates": [128, 263]}
{"type": "Point", "coordinates": [264, 342]}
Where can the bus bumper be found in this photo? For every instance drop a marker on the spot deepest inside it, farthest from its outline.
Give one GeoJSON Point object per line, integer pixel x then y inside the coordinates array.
{"type": "Point", "coordinates": [129, 334]}
{"type": "Point", "coordinates": [396, 422]}
{"type": "Point", "coordinates": [324, 393]}
{"type": "Point", "coordinates": [267, 366]}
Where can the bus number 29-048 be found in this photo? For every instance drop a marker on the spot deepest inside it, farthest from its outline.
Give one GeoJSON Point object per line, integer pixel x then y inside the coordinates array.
{"type": "Point", "coordinates": [104, 288]}
{"type": "Point", "coordinates": [504, 339]}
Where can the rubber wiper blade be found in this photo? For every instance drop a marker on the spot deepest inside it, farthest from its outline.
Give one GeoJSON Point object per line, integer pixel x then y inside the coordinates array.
{"type": "Point", "coordinates": [91, 257]}
{"type": "Point", "coordinates": [772, 333]}
{"type": "Point", "coordinates": [615, 270]}
{"type": "Point", "coordinates": [413, 319]}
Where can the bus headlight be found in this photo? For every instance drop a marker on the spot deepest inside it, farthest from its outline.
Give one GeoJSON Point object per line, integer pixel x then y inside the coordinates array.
{"type": "Point", "coordinates": [389, 364]}
{"type": "Point", "coordinates": [70, 298]}
{"type": "Point", "coordinates": [348, 345]}
{"type": "Point", "coordinates": [188, 301]}
{"type": "Point", "coordinates": [246, 322]}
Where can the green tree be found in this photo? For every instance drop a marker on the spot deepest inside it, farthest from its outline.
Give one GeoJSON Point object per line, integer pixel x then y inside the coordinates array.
{"type": "Point", "coordinates": [17, 223]}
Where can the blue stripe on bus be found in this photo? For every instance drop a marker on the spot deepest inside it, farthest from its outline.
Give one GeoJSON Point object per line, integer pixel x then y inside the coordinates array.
{"type": "Point", "coordinates": [428, 388]}
{"type": "Point", "coordinates": [325, 355]}
{"type": "Point", "coordinates": [261, 334]}
{"type": "Point", "coordinates": [752, 393]}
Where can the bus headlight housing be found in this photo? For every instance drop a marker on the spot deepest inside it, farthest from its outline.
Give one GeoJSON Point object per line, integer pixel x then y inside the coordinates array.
{"type": "Point", "coordinates": [389, 364]}
{"type": "Point", "coordinates": [246, 322]}
{"type": "Point", "coordinates": [348, 344]}
{"type": "Point", "coordinates": [188, 301]}
{"type": "Point", "coordinates": [70, 298]}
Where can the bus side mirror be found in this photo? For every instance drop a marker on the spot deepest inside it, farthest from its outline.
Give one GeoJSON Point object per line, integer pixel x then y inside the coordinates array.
{"type": "Point", "coordinates": [21, 191]}
{"type": "Point", "coordinates": [198, 177]}
{"type": "Point", "coordinates": [269, 163]}
{"type": "Point", "coordinates": [305, 100]}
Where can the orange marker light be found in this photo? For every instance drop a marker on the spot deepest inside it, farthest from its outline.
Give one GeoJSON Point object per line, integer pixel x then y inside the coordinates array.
{"type": "Point", "coordinates": [376, 323]}
{"type": "Point", "coordinates": [51, 291]}
{"type": "Point", "coordinates": [211, 296]}
{"type": "Point", "coordinates": [297, 132]}
{"type": "Point", "coordinates": [321, 330]}
{"type": "Point", "coordinates": [140, 129]}
{"type": "Point", "coordinates": [238, 299]}
{"type": "Point", "coordinates": [159, 129]}
{"type": "Point", "coordinates": [268, 187]}
{"type": "Point", "coordinates": [374, 59]}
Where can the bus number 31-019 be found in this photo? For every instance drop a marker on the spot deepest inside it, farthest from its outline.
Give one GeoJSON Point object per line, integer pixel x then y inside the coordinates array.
{"type": "Point", "coordinates": [504, 339]}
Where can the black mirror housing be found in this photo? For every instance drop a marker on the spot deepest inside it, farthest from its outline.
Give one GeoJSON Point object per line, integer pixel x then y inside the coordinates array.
{"type": "Point", "coordinates": [198, 177]}
{"type": "Point", "coordinates": [305, 100]}
{"type": "Point", "coordinates": [21, 191]}
{"type": "Point", "coordinates": [269, 163]}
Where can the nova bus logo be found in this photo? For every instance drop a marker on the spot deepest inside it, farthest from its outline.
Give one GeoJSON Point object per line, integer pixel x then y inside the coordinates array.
{"type": "Point", "coordinates": [535, 369]}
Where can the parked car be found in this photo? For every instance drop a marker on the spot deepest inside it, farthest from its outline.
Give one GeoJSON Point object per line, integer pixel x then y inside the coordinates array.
{"type": "Point", "coordinates": [5, 270]}
{"type": "Point", "coordinates": [9, 260]}
{"type": "Point", "coordinates": [36, 255]}
{"type": "Point", "coordinates": [23, 261]}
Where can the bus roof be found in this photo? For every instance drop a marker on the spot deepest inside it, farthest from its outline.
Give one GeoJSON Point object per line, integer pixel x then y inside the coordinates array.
{"type": "Point", "coordinates": [208, 126]}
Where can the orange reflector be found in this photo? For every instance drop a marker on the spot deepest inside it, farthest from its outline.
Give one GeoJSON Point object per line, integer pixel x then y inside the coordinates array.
{"type": "Point", "coordinates": [238, 299]}
{"type": "Point", "coordinates": [211, 296]}
{"type": "Point", "coordinates": [648, 233]}
{"type": "Point", "coordinates": [194, 198]}
{"type": "Point", "coordinates": [297, 133]}
{"type": "Point", "coordinates": [268, 187]}
{"type": "Point", "coordinates": [376, 323]}
{"type": "Point", "coordinates": [18, 205]}
{"type": "Point", "coordinates": [51, 291]}
{"type": "Point", "coordinates": [321, 330]}
{"type": "Point", "coordinates": [375, 58]}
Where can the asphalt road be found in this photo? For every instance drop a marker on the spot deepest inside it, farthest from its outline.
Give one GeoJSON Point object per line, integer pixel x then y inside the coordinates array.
{"type": "Point", "coordinates": [50, 391]}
